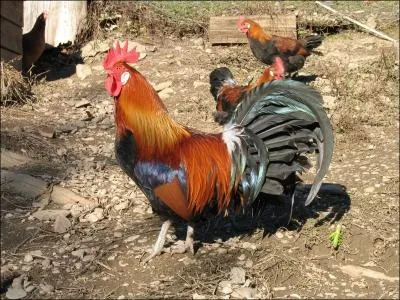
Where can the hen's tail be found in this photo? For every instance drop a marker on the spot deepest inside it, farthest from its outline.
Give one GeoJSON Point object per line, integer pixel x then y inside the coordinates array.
{"type": "Point", "coordinates": [218, 78]}
{"type": "Point", "coordinates": [288, 117]}
{"type": "Point", "coordinates": [313, 41]}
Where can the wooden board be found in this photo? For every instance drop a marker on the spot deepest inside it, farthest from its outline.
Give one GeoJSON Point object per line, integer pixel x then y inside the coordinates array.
{"type": "Point", "coordinates": [12, 11]}
{"type": "Point", "coordinates": [11, 36]}
{"type": "Point", "coordinates": [7, 56]}
{"type": "Point", "coordinates": [10, 159]}
{"type": "Point", "coordinates": [223, 30]}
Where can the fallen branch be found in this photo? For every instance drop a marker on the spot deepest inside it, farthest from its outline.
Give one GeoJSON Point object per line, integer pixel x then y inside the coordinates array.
{"type": "Point", "coordinates": [376, 32]}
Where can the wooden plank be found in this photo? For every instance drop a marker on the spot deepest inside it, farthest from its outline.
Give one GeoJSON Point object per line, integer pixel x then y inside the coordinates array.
{"type": "Point", "coordinates": [7, 55]}
{"type": "Point", "coordinates": [22, 184]}
{"type": "Point", "coordinates": [13, 11]}
{"type": "Point", "coordinates": [31, 187]}
{"type": "Point", "coordinates": [10, 159]}
{"type": "Point", "coordinates": [11, 36]}
{"type": "Point", "coordinates": [223, 30]}
{"type": "Point", "coordinates": [62, 196]}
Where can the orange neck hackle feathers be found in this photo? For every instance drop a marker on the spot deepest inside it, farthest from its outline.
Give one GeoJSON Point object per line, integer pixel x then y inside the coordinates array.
{"type": "Point", "coordinates": [253, 29]}
{"type": "Point", "coordinates": [159, 138]}
{"type": "Point", "coordinates": [140, 110]}
{"type": "Point", "coordinates": [138, 107]}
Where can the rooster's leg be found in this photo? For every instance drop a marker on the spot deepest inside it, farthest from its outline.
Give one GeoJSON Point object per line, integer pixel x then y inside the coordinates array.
{"type": "Point", "coordinates": [158, 246]}
{"type": "Point", "coordinates": [188, 245]}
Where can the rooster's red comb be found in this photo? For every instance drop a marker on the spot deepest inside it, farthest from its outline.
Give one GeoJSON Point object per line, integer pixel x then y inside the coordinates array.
{"type": "Point", "coordinates": [119, 54]}
{"type": "Point", "coordinates": [240, 21]}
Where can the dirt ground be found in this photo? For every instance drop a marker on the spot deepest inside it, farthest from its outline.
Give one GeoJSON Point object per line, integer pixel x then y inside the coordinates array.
{"type": "Point", "coordinates": [101, 259]}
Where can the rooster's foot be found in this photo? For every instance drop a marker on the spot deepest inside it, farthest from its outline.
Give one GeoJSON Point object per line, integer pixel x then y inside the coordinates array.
{"type": "Point", "coordinates": [187, 246]}
{"type": "Point", "coordinates": [159, 245]}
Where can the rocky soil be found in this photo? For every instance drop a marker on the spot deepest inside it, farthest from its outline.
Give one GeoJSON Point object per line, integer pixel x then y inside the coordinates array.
{"type": "Point", "coordinates": [92, 248]}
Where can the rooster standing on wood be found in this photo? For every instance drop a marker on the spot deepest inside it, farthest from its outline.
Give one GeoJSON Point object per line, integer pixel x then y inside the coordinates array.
{"type": "Point", "coordinates": [228, 94]}
{"type": "Point", "coordinates": [266, 46]}
{"type": "Point", "coordinates": [185, 173]}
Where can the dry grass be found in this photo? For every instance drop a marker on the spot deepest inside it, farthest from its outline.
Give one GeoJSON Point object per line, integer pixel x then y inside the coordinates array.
{"type": "Point", "coordinates": [15, 88]}
{"type": "Point", "coordinates": [90, 28]}
{"type": "Point", "coordinates": [366, 95]}
{"type": "Point", "coordinates": [182, 18]}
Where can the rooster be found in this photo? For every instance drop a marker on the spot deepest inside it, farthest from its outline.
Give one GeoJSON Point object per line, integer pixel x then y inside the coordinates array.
{"type": "Point", "coordinates": [227, 93]}
{"type": "Point", "coordinates": [266, 46]}
{"type": "Point", "coordinates": [33, 42]}
{"type": "Point", "coordinates": [185, 173]}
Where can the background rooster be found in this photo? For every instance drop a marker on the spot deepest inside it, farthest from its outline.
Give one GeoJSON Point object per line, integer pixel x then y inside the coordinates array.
{"type": "Point", "coordinates": [227, 93]}
{"type": "Point", "coordinates": [185, 173]}
{"type": "Point", "coordinates": [33, 42]}
{"type": "Point", "coordinates": [266, 46]}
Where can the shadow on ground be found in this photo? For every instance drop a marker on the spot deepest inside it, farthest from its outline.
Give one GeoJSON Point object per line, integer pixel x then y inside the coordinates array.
{"type": "Point", "coordinates": [57, 62]}
{"type": "Point", "coordinates": [271, 214]}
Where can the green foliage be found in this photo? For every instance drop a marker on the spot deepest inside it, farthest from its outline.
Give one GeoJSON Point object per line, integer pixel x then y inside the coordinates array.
{"type": "Point", "coordinates": [336, 237]}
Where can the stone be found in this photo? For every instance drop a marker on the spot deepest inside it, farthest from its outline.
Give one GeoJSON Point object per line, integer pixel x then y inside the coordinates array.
{"type": "Point", "coordinates": [82, 103]}
{"type": "Point", "coordinates": [369, 190]}
{"type": "Point", "coordinates": [15, 293]}
{"type": "Point", "coordinates": [360, 272]}
{"type": "Point", "coordinates": [329, 102]}
{"type": "Point", "coordinates": [50, 214]}
{"type": "Point", "coordinates": [222, 251]}
{"type": "Point", "coordinates": [92, 48]}
{"type": "Point", "coordinates": [242, 257]}
{"type": "Point", "coordinates": [46, 264]}
{"type": "Point", "coordinates": [29, 288]}
{"type": "Point", "coordinates": [150, 48]}
{"type": "Point", "coordinates": [131, 238]}
{"type": "Point", "coordinates": [238, 275]}
{"type": "Point", "coordinates": [371, 21]}
{"type": "Point", "coordinates": [46, 288]}
{"type": "Point", "coordinates": [98, 68]}
{"type": "Point", "coordinates": [121, 206]}
{"type": "Point", "coordinates": [196, 84]}
{"type": "Point", "coordinates": [249, 246]}
{"type": "Point", "coordinates": [95, 216]}
{"type": "Point", "coordinates": [79, 253]}
{"type": "Point", "coordinates": [83, 71]}
{"type": "Point", "coordinates": [225, 287]}
{"type": "Point", "coordinates": [16, 290]}
{"type": "Point", "coordinates": [198, 42]}
{"type": "Point", "coordinates": [244, 293]}
{"type": "Point", "coordinates": [47, 131]}
{"type": "Point", "coordinates": [164, 94]}
{"type": "Point", "coordinates": [37, 253]}
{"type": "Point", "coordinates": [198, 297]}
{"type": "Point", "coordinates": [163, 85]}
{"type": "Point", "coordinates": [61, 224]}
{"type": "Point", "coordinates": [87, 258]}
{"type": "Point", "coordinates": [76, 210]}
{"type": "Point", "coordinates": [28, 258]}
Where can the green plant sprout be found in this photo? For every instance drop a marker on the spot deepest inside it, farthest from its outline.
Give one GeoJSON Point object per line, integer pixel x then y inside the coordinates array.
{"type": "Point", "coordinates": [337, 237]}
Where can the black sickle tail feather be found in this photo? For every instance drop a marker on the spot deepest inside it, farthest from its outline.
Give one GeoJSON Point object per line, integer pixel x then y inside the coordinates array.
{"type": "Point", "coordinates": [313, 41]}
{"type": "Point", "coordinates": [289, 118]}
{"type": "Point", "coordinates": [218, 78]}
